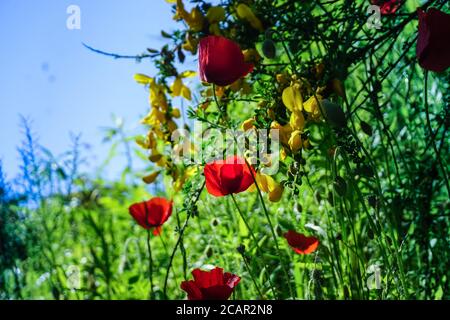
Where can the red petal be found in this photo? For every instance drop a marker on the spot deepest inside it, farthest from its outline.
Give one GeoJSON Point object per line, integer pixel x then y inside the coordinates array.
{"type": "Point", "coordinates": [387, 6]}
{"type": "Point", "coordinates": [212, 176]}
{"type": "Point", "coordinates": [192, 290]}
{"type": "Point", "coordinates": [222, 292]}
{"type": "Point", "coordinates": [221, 61]}
{"type": "Point", "coordinates": [210, 285]}
{"type": "Point", "coordinates": [138, 212]}
{"type": "Point", "coordinates": [157, 231]}
{"type": "Point", "coordinates": [231, 280]}
{"type": "Point", "coordinates": [151, 213]}
{"type": "Point", "coordinates": [205, 279]}
{"type": "Point", "coordinates": [300, 243]}
{"type": "Point", "coordinates": [433, 46]}
{"type": "Point", "coordinates": [228, 176]}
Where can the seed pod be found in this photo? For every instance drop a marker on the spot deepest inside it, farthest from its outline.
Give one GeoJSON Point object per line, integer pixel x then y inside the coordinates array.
{"type": "Point", "coordinates": [370, 234]}
{"type": "Point", "coordinates": [366, 128]}
{"type": "Point", "coordinates": [330, 198]}
{"type": "Point", "coordinates": [241, 249]}
{"type": "Point", "coordinates": [317, 196]}
{"type": "Point", "coordinates": [366, 171]}
{"type": "Point", "coordinates": [269, 50]}
{"type": "Point", "coordinates": [181, 55]}
{"type": "Point", "coordinates": [278, 231]}
{"type": "Point", "coordinates": [340, 186]}
{"type": "Point", "coordinates": [388, 240]}
{"type": "Point", "coordinates": [215, 222]}
{"type": "Point", "coordinates": [346, 293]}
{"type": "Point", "coordinates": [334, 114]}
{"type": "Point", "coordinates": [373, 201]}
{"type": "Point", "coordinates": [209, 252]}
{"type": "Point", "coordinates": [268, 34]}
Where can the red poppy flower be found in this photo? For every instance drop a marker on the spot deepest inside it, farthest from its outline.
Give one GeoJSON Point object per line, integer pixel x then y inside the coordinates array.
{"type": "Point", "coordinates": [210, 285]}
{"type": "Point", "coordinates": [387, 6]}
{"type": "Point", "coordinates": [152, 213]}
{"type": "Point", "coordinates": [221, 61]}
{"type": "Point", "coordinates": [228, 176]}
{"type": "Point", "coordinates": [433, 44]}
{"type": "Point", "coordinates": [301, 243]}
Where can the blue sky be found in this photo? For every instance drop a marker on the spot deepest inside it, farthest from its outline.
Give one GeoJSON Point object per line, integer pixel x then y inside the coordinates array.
{"type": "Point", "coordinates": [47, 75]}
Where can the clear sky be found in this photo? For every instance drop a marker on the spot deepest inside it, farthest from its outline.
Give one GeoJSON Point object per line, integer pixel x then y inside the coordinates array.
{"type": "Point", "coordinates": [47, 75]}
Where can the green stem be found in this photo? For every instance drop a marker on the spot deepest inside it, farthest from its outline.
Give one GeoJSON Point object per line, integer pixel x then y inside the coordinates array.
{"type": "Point", "coordinates": [272, 230]}
{"type": "Point", "coordinates": [255, 240]}
{"type": "Point", "coordinates": [430, 131]}
{"type": "Point", "coordinates": [150, 264]}
{"type": "Point", "coordinates": [172, 256]}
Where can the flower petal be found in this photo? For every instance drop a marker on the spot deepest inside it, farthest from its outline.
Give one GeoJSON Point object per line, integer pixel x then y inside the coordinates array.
{"type": "Point", "coordinates": [300, 243]}
{"type": "Point", "coordinates": [221, 61]}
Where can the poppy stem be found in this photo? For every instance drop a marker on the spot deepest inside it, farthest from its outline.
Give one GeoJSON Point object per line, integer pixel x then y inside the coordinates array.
{"type": "Point", "coordinates": [432, 134]}
{"type": "Point", "coordinates": [223, 112]}
{"type": "Point", "coordinates": [251, 275]}
{"type": "Point", "coordinates": [150, 264]}
{"type": "Point", "coordinates": [272, 229]}
{"type": "Point", "coordinates": [180, 237]}
{"type": "Point", "coordinates": [257, 245]}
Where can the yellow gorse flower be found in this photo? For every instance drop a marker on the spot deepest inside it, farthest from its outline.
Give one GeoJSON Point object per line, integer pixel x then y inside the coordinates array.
{"type": "Point", "coordinates": [194, 19]}
{"type": "Point", "coordinates": [297, 120]}
{"type": "Point", "coordinates": [295, 141]}
{"type": "Point", "coordinates": [148, 179]}
{"type": "Point", "coordinates": [268, 185]}
{"type": "Point", "coordinates": [178, 88]}
{"type": "Point", "coordinates": [181, 177]}
{"type": "Point", "coordinates": [292, 97]}
{"type": "Point", "coordinates": [284, 131]}
{"type": "Point", "coordinates": [248, 124]}
{"type": "Point", "coordinates": [245, 13]}
{"type": "Point", "coordinates": [214, 16]}
{"type": "Point", "coordinates": [241, 85]}
{"type": "Point", "coordinates": [312, 107]}
{"type": "Point", "coordinates": [190, 44]}
{"type": "Point", "coordinates": [251, 55]}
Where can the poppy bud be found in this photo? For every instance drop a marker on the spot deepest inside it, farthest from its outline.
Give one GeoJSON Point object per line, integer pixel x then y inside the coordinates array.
{"type": "Point", "coordinates": [268, 49]}
{"type": "Point", "coordinates": [241, 249]}
{"type": "Point", "coordinates": [366, 128]}
{"type": "Point", "coordinates": [334, 114]}
{"type": "Point", "coordinates": [340, 186]}
{"type": "Point", "coordinates": [209, 252]}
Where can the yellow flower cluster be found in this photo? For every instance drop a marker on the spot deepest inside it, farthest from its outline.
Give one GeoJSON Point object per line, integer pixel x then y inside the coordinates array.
{"type": "Point", "coordinates": [161, 121]}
